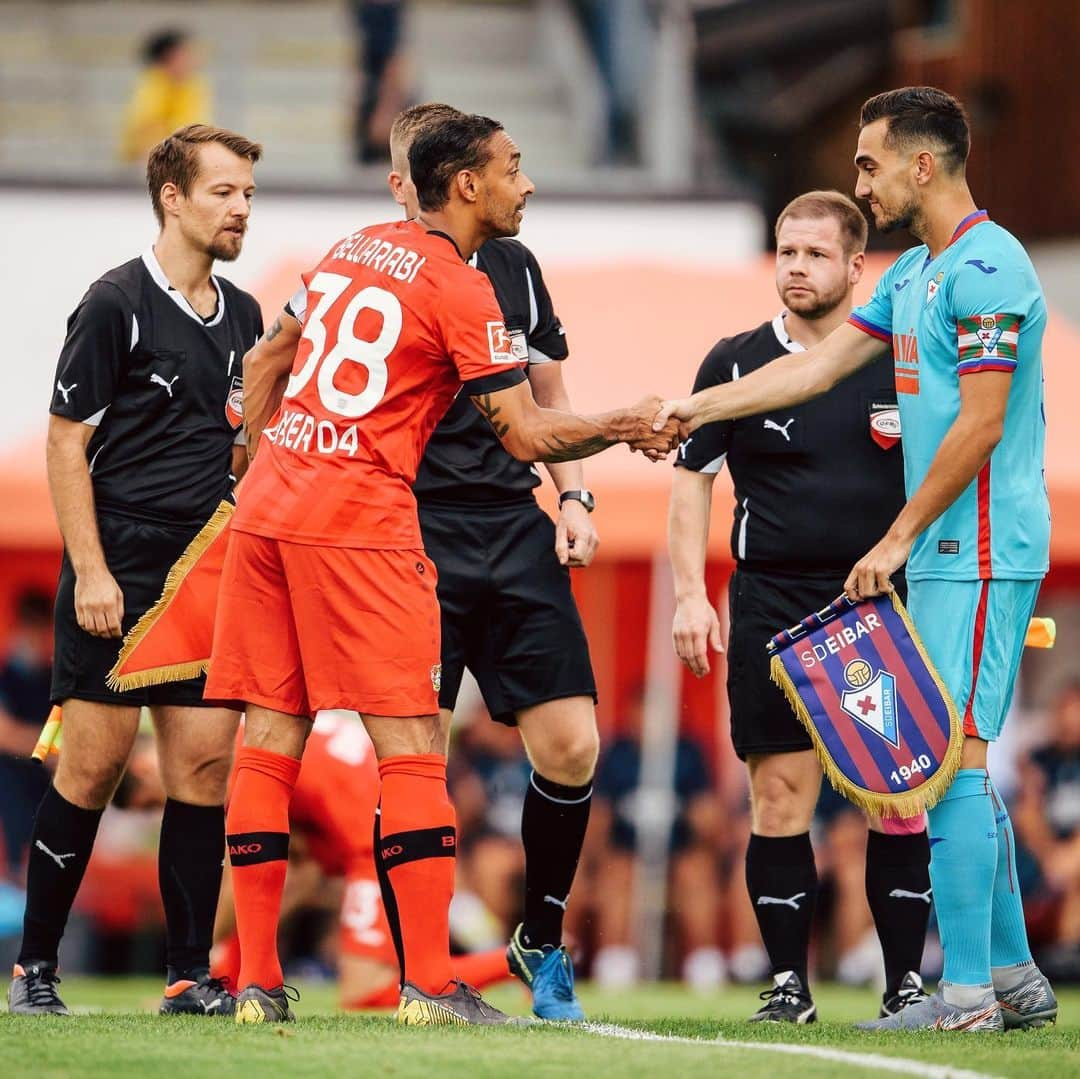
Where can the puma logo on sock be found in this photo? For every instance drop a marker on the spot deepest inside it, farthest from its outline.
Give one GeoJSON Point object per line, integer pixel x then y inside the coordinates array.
{"type": "Point", "coordinates": [57, 858]}
{"type": "Point", "coordinates": [902, 893]}
{"type": "Point", "coordinates": [772, 901]}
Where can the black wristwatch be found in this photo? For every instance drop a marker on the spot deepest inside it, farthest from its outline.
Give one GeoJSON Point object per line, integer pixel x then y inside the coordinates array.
{"type": "Point", "coordinates": [584, 497]}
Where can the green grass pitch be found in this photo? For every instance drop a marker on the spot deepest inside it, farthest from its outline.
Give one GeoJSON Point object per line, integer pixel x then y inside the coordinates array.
{"type": "Point", "coordinates": [116, 1034]}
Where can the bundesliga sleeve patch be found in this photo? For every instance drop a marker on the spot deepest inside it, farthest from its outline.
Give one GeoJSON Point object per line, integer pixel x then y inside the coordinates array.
{"type": "Point", "coordinates": [987, 343]}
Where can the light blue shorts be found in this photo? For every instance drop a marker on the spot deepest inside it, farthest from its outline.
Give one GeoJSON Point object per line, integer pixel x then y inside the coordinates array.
{"type": "Point", "coordinates": [974, 633]}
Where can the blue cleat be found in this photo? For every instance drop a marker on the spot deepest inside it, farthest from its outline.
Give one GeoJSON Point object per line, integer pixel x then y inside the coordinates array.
{"type": "Point", "coordinates": [549, 974]}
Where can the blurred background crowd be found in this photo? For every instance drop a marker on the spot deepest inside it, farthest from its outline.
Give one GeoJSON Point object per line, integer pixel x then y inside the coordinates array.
{"type": "Point", "coordinates": [663, 137]}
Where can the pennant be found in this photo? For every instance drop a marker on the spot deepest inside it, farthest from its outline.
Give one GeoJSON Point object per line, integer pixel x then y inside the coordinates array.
{"type": "Point", "coordinates": [884, 727]}
{"type": "Point", "coordinates": [172, 640]}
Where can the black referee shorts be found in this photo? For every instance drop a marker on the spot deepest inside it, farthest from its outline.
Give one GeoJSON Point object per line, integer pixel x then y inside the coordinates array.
{"type": "Point", "coordinates": [762, 604]}
{"type": "Point", "coordinates": [507, 610]}
{"type": "Point", "coordinates": [139, 555]}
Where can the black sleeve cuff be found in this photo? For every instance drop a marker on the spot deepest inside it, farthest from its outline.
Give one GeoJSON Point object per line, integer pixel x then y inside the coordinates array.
{"type": "Point", "coordinates": [500, 380]}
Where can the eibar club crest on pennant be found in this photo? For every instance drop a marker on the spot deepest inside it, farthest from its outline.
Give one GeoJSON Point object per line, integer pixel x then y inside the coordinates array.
{"type": "Point", "coordinates": [882, 723]}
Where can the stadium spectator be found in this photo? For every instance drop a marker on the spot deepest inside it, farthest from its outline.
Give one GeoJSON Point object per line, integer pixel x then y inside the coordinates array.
{"type": "Point", "coordinates": [24, 703]}
{"type": "Point", "coordinates": [696, 836]}
{"type": "Point", "coordinates": [1047, 818]}
{"type": "Point", "coordinates": [169, 94]}
{"type": "Point", "coordinates": [383, 75]}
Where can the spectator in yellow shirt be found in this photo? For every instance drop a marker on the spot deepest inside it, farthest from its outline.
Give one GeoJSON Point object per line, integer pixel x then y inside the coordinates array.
{"type": "Point", "coordinates": [169, 95]}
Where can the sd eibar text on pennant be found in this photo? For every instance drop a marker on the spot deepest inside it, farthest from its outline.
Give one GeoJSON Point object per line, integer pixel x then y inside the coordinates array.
{"type": "Point", "coordinates": [883, 725]}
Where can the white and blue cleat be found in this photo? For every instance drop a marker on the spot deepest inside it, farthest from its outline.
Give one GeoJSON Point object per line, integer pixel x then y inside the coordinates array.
{"type": "Point", "coordinates": [549, 974]}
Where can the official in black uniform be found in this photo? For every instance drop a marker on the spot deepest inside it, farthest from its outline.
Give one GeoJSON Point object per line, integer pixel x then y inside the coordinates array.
{"type": "Point", "coordinates": [508, 613]}
{"type": "Point", "coordinates": [143, 445]}
{"type": "Point", "coordinates": [815, 486]}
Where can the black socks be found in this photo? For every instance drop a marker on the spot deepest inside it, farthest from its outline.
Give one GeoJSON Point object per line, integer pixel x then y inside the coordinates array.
{"type": "Point", "coordinates": [898, 891]}
{"type": "Point", "coordinates": [553, 823]}
{"type": "Point", "coordinates": [190, 859]}
{"type": "Point", "coordinates": [60, 847]}
{"type": "Point", "coordinates": [781, 878]}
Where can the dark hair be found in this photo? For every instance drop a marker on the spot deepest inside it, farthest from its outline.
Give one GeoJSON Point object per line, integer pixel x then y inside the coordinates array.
{"type": "Point", "coordinates": [175, 160]}
{"type": "Point", "coordinates": [34, 607]}
{"type": "Point", "coordinates": [818, 204]}
{"type": "Point", "coordinates": [918, 113]}
{"type": "Point", "coordinates": [159, 44]}
{"type": "Point", "coordinates": [441, 151]}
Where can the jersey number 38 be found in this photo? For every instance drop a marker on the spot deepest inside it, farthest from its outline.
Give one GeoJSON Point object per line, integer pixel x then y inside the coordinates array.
{"type": "Point", "coordinates": [330, 350]}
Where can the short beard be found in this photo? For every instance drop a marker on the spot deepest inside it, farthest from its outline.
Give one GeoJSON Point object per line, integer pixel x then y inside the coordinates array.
{"type": "Point", "coordinates": [905, 219]}
{"type": "Point", "coordinates": [819, 306]}
{"type": "Point", "coordinates": [220, 253]}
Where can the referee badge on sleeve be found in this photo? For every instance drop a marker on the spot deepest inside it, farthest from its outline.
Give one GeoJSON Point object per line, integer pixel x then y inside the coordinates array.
{"type": "Point", "coordinates": [234, 403]}
{"type": "Point", "coordinates": [883, 725]}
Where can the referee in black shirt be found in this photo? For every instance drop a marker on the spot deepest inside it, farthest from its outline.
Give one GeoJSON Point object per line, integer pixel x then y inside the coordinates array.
{"type": "Point", "coordinates": [815, 486]}
{"type": "Point", "coordinates": [142, 446]}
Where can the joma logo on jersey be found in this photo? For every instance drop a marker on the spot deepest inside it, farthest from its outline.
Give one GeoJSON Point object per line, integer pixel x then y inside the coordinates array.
{"type": "Point", "coordinates": [906, 361]}
{"type": "Point", "coordinates": [500, 343]}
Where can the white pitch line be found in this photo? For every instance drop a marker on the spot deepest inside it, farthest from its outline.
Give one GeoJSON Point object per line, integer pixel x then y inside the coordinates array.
{"type": "Point", "coordinates": [878, 1061]}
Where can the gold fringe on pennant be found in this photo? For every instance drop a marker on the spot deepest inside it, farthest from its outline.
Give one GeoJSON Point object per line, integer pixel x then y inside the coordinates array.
{"type": "Point", "coordinates": [908, 803]}
{"type": "Point", "coordinates": [172, 672]}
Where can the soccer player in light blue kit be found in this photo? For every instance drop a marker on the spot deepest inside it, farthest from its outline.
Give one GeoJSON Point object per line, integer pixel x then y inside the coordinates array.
{"type": "Point", "coordinates": [964, 316]}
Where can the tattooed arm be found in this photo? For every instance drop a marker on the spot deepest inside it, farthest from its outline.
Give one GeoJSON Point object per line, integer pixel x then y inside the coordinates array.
{"type": "Point", "coordinates": [532, 433]}
{"type": "Point", "coordinates": [267, 367]}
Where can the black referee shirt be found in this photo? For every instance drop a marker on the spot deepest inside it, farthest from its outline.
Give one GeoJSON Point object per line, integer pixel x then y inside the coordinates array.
{"type": "Point", "coordinates": [817, 485]}
{"type": "Point", "coordinates": [464, 461]}
{"type": "Point", "coordinates": [162, 386]}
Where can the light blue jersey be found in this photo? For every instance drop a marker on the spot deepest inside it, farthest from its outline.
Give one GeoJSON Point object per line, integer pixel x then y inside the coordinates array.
{"type": "Point", "coordinates": [978, 306]}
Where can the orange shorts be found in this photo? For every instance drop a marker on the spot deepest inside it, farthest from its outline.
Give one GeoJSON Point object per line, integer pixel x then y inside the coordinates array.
{"type": "Point", "coordinates": [364, 928]}
{"type": "Point", "coordinates": [301, 628]}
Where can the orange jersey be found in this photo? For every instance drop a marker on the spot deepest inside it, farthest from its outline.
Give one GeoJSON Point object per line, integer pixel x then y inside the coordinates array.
{"type": "Point", "coordinates": [393, 323]}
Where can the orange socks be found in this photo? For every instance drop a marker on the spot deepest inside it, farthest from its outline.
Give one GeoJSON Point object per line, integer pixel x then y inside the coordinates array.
{"type": "Point", "coordinates": [258, 836]}
{"type": "Point", "coordinates": [416, 842]}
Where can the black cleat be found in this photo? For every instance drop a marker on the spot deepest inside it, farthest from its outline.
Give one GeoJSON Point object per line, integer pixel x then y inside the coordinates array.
{"type": "Point", "coordinates": [33, 991]}
{"type": "Point", "coordinates": [201, 996]}
{"type": "Point", "coordinates": [911, 991]}
{"type": "Point", "coordinates": [257, 1005]}
{"type": "Point", "coordinates": [786, 1002]}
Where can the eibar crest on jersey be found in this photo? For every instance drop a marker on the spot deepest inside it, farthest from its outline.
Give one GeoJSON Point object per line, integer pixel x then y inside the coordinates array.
{"type": "Point", "coordinates": [934, 284]}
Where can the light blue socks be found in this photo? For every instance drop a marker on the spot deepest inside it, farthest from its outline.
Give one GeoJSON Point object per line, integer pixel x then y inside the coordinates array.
{"type": "Point", "coordinates": [964, 854]}
{"type": "Point", "coordinates": [1008, 934]}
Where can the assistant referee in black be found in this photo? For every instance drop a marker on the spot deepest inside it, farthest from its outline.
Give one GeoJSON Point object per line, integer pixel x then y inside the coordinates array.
{"type": "Point", "coordinates": [143, 440]}
{"type": "Point", "coordinates": [815, 486]}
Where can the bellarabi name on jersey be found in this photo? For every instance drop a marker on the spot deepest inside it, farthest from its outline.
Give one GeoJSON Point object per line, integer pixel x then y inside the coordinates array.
{"type": "Point", "coordinates": [398, 262]}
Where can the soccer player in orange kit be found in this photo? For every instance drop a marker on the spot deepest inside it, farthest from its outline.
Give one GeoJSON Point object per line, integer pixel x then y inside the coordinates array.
{"type": "Point", "coordinates": [327, 598]}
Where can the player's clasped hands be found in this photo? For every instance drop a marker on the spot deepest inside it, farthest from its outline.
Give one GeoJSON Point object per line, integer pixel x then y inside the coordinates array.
{"type": "Point", "coordinates": [655, 442]}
